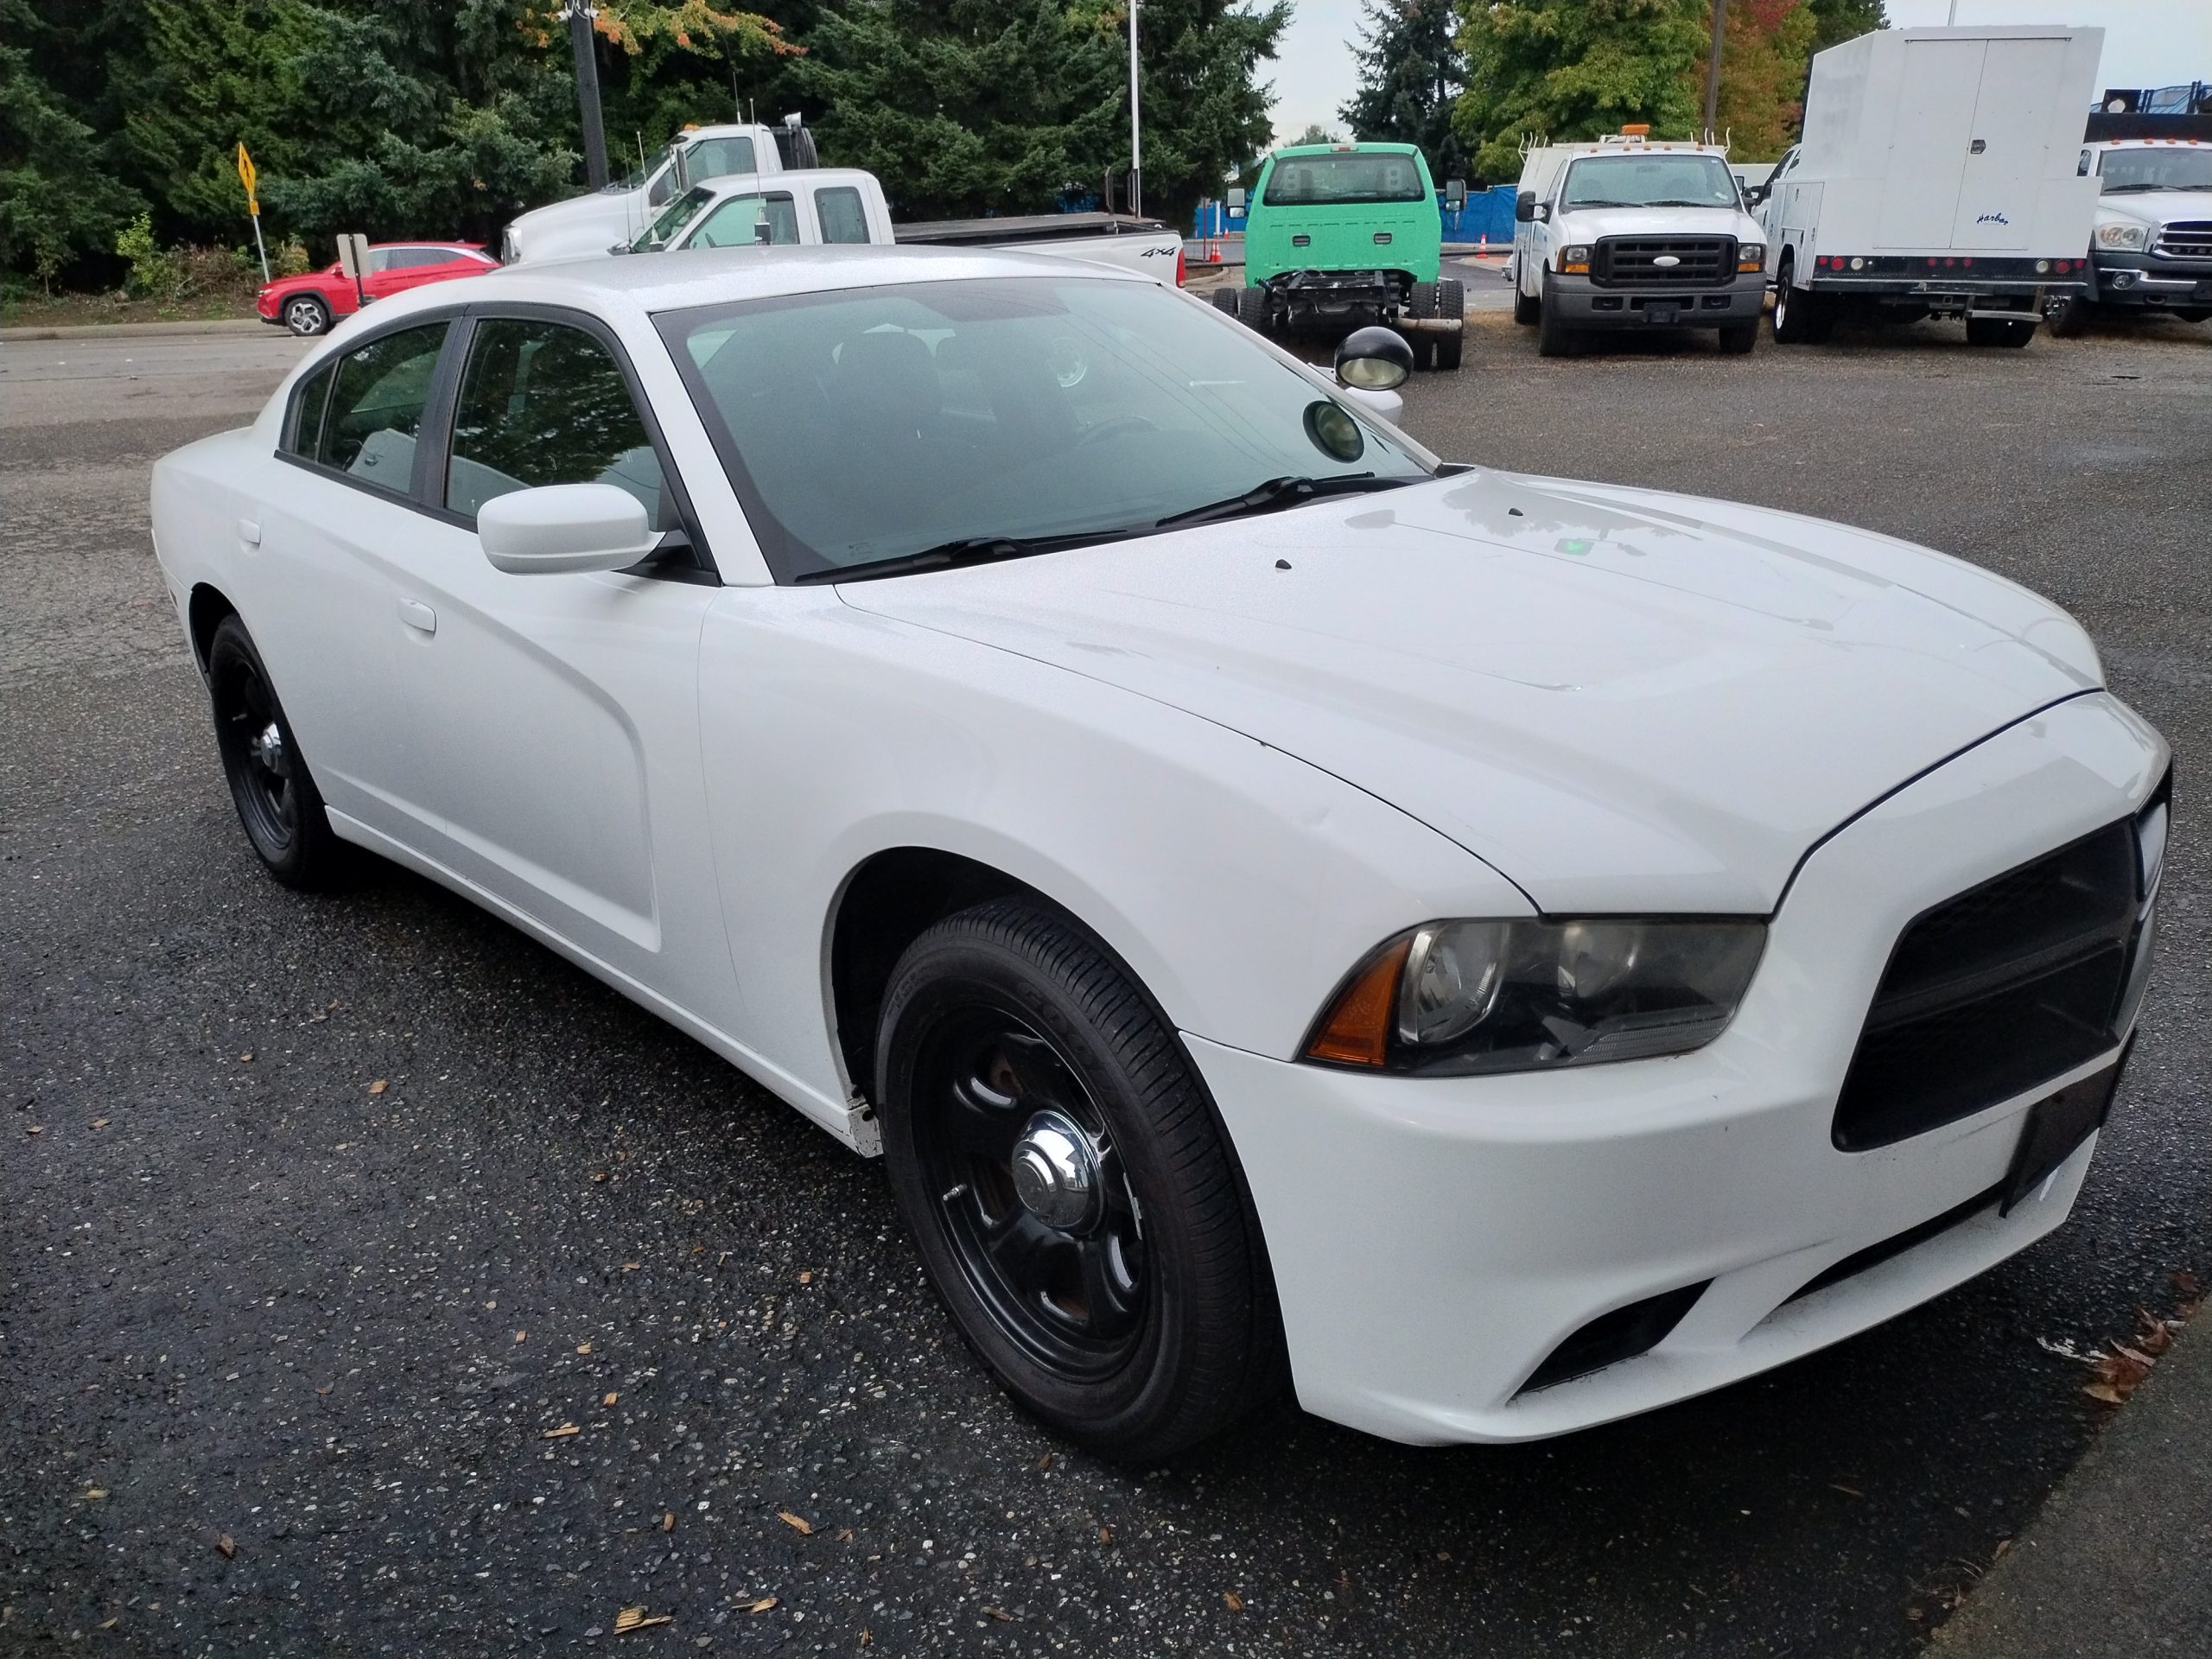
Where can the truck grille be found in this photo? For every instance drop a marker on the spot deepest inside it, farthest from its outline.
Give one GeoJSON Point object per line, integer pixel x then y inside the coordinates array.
{"type": "Point", "coordinates": [2186, 239]}
{"type": "Point", "coordinates": [1989, 993]}
{"type": "Point", "coordinates": [1633, 262]}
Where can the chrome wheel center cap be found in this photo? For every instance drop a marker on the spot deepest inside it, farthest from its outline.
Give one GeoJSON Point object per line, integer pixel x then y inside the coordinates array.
{"type": "Point", "coordinates": [269, 747]}
{"type": "Point", "coordinates": [1055, 1170]}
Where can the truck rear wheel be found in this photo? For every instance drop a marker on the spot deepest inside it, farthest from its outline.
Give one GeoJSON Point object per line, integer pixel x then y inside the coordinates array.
{"type": "Point", "coordinates": [1451, 303]}
{"type": "Point", "coordinates": [1800, 316]}
{"type": "Point", "coordinates": [1252, 309]}
{"type": "Point", "coordinates": [1224, 300]}
{"type": "Point", "coordinates": [1553, 338]}
{"type": "Point", "coordinates": [1421, 304]}
{"type": "Point", "coordinates": [2000, 331]}
{"type": "Point", "coordinates": [2066, 315]}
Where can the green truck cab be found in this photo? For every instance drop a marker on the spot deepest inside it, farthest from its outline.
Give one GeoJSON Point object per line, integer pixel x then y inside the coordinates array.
{"type": "Point", "coordinates": [1349, 235]}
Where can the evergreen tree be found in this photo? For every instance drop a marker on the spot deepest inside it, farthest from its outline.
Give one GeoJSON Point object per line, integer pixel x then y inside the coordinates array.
{"type": "Point", "coordinates": [59, 197]}
{"type": "Point", "coordinates": [1573, 69]}
{"type": "Point", "coordinates": [1410, 70]}
{"type": "Point", "coordinates": [1836, 20]}
{"type": "Point", "coordinates": [1315, 133]}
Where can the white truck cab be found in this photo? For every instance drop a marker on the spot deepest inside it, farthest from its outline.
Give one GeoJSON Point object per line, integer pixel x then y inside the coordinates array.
{"type": "Point", "coordinates": [2150, 246]}
{"type": "Point", "coordinates": [1627, 232]}
{"type": "Point", "coordinates": [593, 223]}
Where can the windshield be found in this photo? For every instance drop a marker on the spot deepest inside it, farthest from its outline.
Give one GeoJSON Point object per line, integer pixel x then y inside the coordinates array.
{"type": "Point", "coordinates": [2157, 169]}
{"type": "Point", "coordinates": [1327, 180]}
{"type": "Point", "coordinates": [860, 425]}
{"type": "Point", "coordinates": [671, 219]}
{"type": "Point", "coordinates": [1651, 179]}
{"type": "Point", "coordinates": [645, 169]}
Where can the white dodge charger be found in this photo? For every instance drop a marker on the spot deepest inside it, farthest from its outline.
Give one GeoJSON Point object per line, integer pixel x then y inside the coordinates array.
{"type": "Point", "coordinates": [1500, 953]}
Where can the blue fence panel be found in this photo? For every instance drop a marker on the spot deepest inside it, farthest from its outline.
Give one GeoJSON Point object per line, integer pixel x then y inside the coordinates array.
{"type": "Point", "coordinates": [1488, 214]}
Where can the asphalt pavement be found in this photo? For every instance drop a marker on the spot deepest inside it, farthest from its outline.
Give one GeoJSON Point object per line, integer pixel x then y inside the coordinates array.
{"type": "Point", "coordinates": [324, 1222]}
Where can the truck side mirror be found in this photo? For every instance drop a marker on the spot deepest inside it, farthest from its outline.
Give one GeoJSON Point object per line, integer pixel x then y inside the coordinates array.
{"type": "Point", "coordinates": [1455, 194]}
{"type": "Point", "coordinates": [1524, 207]}
{"type": "Point", "coordinates": [1236, 202]}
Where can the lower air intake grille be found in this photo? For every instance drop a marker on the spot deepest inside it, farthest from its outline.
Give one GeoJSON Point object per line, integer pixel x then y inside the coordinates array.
{"type": "Point", "coordinates": [1991, 993]}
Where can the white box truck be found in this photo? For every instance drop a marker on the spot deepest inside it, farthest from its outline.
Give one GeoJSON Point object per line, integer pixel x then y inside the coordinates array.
{"type": "Point", "coordinates": [1937, 177]}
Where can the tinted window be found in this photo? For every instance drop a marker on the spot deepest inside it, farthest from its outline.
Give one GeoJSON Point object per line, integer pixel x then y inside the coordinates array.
{"type": "Point", "coordinates": [712, 158]}
{"type": "Point", "coordinates": [844, 219]}
{"type": "Point", "coordinates": [375, 406]}
{"type": "Point", "coordinates": [544, 403]}
{"type": "Point", "coordinates": [1316, 180]}
{"type": "Point", "coordinates": [415, 258]}
{"type": "Point", "coordinates": [307, 411]}
{"type": "Point", "coordinates": [732, 224]}
{"type": "Point", "coordinates": [863, 425]}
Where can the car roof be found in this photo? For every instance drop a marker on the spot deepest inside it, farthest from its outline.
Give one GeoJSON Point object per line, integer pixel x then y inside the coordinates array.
{"type": "Point", "coordinates": [792, 178]}
{"type": "Point", "coordinates": [1363, 148]}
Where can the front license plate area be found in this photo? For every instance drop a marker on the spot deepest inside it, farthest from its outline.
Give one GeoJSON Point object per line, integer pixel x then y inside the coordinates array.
{"type": "Point", "coordinates": [2057, 1126]}
{"type": "Point", "coordinates": [1661, 310]}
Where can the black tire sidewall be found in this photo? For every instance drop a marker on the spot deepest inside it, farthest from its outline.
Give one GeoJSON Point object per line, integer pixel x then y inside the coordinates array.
{"type": "Point", "coordinates": [314, 858]}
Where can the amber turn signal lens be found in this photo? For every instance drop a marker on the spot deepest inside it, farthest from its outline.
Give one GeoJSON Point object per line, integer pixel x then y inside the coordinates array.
{"type": "Point", "coordinates": [1357, 1030]}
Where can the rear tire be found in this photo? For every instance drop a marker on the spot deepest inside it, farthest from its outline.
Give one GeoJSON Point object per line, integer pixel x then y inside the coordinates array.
{"type": "Point", "coordinates": [1450, 302]}
{"type": "Point", "coordinates": [1252, 309]}
{"type": "Point", "coordinates": [1143, 1322]}
{"type": "Point", "coordinates": [1526, 309]}
{"type": "Point", "coordinates": [2000, 331]}
{"type": "Point", "coordinates": [1224, 300]}
{"type": "Point", "coordinates": [1800, 316]}
{"type": "Point", "coordinates": [2067, 315]}
{"type": "Point", "coordinates": [1421, 303]}
{"type": "Point", "coordinates": [1553, 337]}
{"type": "Point", "coordinates": [278, 804]}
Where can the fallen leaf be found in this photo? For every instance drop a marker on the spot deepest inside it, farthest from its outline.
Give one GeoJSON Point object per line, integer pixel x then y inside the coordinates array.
{"type": "Point", "coordinates": [247, 1055]}
{"type": "Point", "coordinates": [1106, 1536]}
{"type": "Point", "coordinates": [35, 1129]}
{"type": "Point", "coordinates": [598, 1175]}
{"type": "Point", "coordinates": [325, 1388]}
{"type": "Point", "coordinates": [95, 1492]}
{"type": "Point", "coordinates": [584, 1347]}
{"type": "Point", "coordinates": [635, 1618]}
{"type": "Point", "coordinates": [762, 1605]}
{"type": "Point", "coordinates": [110, 1624]}
{"type": "Point", "coordinates": [225, 1546]}
{"type": "Point", "coordinates": [1000, 1614]}
{"type": "Point", "coordinates": [561, 1433]}
{"type": "Point", "coordinates": [2105, 1392]}
{"type": "Point", "coordinates": [668, 1520]}
{"type": "Point", "coordinates": [867, 1636]}
{"type": "Point", "coordinates": [1234, 1602]}
{"type": "Point", "coordinates": [379, 1086]}
{"type": "Point", "coordinates": [807, 1278]}
{"type": "Point", "coordinates": [797, 1524]}
{"type": "Point", "coordinates": [99, 1122]}
{"type": "Point", "coordinates": [2185, 1282]}
{"type": "Point", "coordinates": [632, 1267]}
{"type": "Point", "coordinates": [610, 1398]}
{"type": "Point", "coordinates": [844, 1534]}
{"type": "Point", "coordinates": [2003, 1544]}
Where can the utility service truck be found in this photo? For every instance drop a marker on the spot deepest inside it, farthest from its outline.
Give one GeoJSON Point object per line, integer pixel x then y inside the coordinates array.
{"type": "Point", "coordinates": [1937, 177]}
{"type": "Point", "coordinates": [1625, 232]}
{"type": "Point", "coordinates": [2150, 248]}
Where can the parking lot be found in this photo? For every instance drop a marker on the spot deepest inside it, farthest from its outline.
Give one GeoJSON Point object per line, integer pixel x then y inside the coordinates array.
{"type": "Point", "coordinates": [372, 1282]}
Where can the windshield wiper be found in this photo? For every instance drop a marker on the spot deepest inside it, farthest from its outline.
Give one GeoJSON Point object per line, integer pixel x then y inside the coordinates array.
{"type": "Point", "coordinates": [965, 550]}
{"type": "Point", "coordinates": [1287, 492]}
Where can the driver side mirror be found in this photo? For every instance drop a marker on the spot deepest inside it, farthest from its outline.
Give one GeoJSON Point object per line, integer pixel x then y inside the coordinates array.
{"type": "Point", "coordinates": [1236, 202]}
{"type": "Point", "coordinates": [1455, 195]}
{"type": "Point", "coordinates": [559, 528]}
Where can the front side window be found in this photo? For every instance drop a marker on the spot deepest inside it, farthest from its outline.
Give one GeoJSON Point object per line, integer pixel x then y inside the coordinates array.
{"type": "Point", "coordinates": [671, 219]}
{"type": "Point", "coordinates": [736, 223]}
{"type": "Point", "coordinates": [544, 403]}
{"type": "Point", "coordinates": [1328, 181]}
{"type": "Point", "coordinates": [375, 406]}
{"type": "Point", "coordinates": [1652, 179]}
{"type": "Point", "coordinates": [869, 424]}
{"type": "Point", "coordinates": [717, 158]}
{"type": "Point", "coordinates": [844, 219]}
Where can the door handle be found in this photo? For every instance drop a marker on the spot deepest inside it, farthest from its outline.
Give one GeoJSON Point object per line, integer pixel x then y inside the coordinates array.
{"type": "Point", "coordinates": [415, 614]}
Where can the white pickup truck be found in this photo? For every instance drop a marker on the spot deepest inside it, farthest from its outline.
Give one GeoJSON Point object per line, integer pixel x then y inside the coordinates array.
{"type": "Point", "coordinates": [590, 223]}
{"type": "Point", "coordinates": [829, 206]}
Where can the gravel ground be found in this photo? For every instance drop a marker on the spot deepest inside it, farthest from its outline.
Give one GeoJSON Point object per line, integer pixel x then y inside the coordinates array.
{"type": "Point", "coordinates": [326, 1219]}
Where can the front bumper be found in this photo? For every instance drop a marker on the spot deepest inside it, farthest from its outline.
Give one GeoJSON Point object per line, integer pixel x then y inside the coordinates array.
{"type": "Point", "coordinates": [1584, 304]}
{"type": "Point", "coordinates": [1434, 1241]}
{"type": "Point", "coordinates": [2150, 281]}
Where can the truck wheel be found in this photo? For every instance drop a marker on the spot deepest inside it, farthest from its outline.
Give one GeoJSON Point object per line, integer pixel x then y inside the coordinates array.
{"type": "Point", "coordinates": [1450, 302]}
{"type": "Point", "coordinates": [2066, 315]}
{"type": "Point", "coordinates": [1421, 303]}
{"type": "Point", "coordinates": [1999, 330]}
{"type": "Point", "coordinates": [1252, 309]}
{"type": "Point", "coordinates": [1800, 316]}
{"type": "Point", "coordinates": [1525, 309]}
{"type": "Point", "coordinates": [1224, 300]}
{"type": "Point", "coordinates": [1553, 338]}
{"type": "Point", "coordinates": [1738, 337]}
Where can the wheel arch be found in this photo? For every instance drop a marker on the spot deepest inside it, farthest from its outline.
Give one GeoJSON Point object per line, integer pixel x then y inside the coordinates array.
{"type": "Point", "coordinates": [204, 612]}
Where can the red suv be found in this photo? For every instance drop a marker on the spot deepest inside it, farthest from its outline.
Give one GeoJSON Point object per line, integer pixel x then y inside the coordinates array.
{"type": "Point", "coordinates": [308, 304]}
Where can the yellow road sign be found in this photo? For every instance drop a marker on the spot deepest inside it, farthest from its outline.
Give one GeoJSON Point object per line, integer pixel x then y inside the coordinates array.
{"type": "Point", "coordinates": [247, 174]}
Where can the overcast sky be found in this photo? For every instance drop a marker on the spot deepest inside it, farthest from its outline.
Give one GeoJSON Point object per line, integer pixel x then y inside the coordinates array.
{"type": "Point", "coordinates": [2147, 43]}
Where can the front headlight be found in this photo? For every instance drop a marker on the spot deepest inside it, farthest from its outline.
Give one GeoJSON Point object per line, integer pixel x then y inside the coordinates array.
{"type": "Point", "coordinates": [1750, 256]}
{"type": "Point", "coordinates": [1451, 998]}
{"type": "Point", "coordinates": [2124, 235]}
{"type": "Point", "coordinates": [1574, 257]}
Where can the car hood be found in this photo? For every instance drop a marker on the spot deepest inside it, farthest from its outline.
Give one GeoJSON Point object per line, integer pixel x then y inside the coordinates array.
{"type": "Point", "coordinates": [2156, 207]}
{"type": "Point", "coordinates": [581, 225]}
{"type": "Point", "coordinates": [1588, 224]}
{"type": "Point", "coordinates": [1622, 700]}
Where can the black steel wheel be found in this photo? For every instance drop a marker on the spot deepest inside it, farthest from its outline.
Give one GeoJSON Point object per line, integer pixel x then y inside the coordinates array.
{"type": "Point", "coordinates": [277, 802]}
{"type": "Point", "coordinates": [1073, 1199]}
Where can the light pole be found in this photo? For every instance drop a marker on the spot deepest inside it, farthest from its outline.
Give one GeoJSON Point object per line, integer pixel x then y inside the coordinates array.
{"type": "Point", "coordinates": [1137, 141]}
{"type": "Point", "coordinates": [580, 14]}
{"type": "Point", "coordinates": [1712, 69]}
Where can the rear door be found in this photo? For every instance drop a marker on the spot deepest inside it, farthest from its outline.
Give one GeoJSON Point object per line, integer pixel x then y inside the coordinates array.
{"type": "Point", "coordinates": [1928, 143]}
{"type": "Point", "coordinates": [2006, 150]}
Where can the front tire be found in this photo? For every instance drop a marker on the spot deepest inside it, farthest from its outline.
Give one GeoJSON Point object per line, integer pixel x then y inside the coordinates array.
{"type": "Point", "coordinates": [1553, 338]}
{"type": "Point", "coordinates": [1450, 302]}
{"type": "Point", "coordinates": [278, 804]}
{"type": "Point", "coordinates": [1129, 1310]}
{"type": "Point", "coordinates": [306, 315]}
{"type": "Point", "coordinates": [1526, 308]}
{"type": "Point", "coordinates": [1738, 337]}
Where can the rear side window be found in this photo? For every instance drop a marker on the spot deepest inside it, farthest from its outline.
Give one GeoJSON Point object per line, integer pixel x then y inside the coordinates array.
{"type": "Point", "coordinates": [304, 430]}
{"type": "Point", "coordinates": [545, 402]}
{"type": "Point", "coordinates": [844, 219]}
{"type": "Point", "coordinates": [734, 223]}
{"type": "Point", "coordinates": [375, 406]}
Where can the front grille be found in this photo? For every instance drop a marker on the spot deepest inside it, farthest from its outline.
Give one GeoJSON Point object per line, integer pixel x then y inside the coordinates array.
{"type": "Point", "coordinates": [1633, 261]}
{"type": "Point", "coordinates": [2186, 239]}
{"type": "Point", "coordinates": [1988, 994]}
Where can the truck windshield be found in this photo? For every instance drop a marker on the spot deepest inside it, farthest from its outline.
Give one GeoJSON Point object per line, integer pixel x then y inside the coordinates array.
{"type": "Point", "coordinates": [645, 169]}
{"type": "Point", "coordinates": [1329, 180]}
{"type": "Point", "coordinates": [865, 425]}
{"type": "Point", "coordinates": [671, 219]}
{"type": "Point", "coordinates": [1649, 179]}
{"type": "Point", "coordinates": [2157, 169]}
